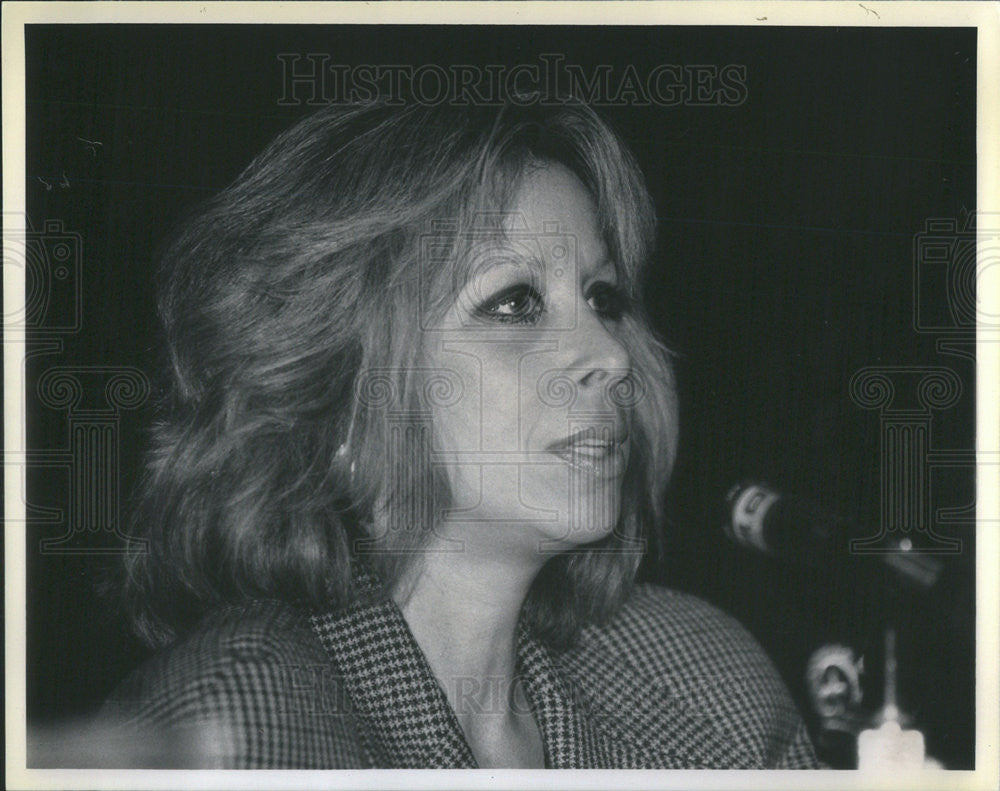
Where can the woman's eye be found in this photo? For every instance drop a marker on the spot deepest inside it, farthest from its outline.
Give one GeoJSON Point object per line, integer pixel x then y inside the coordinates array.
{"type": "Point", "coordinates": [516, 305]}
{"type": "Point", "coordinates": [607, 300]}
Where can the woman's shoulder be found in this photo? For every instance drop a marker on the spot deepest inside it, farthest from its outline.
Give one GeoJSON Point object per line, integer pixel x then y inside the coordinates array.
{"type": "Point", "coordinates": [668, 654]}
{"type": "Point", "coordinates": [665, 630]}
{"type": "Point", "coordinates": [225, 643]}
{"type": "Point", "coordinates": [249, 687]}
{"type": "Point", "coordinates": [676, 639]}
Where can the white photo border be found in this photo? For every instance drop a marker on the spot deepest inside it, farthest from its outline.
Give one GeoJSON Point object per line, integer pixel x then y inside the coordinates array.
{"type": "Point", "coordinates": [985, 16]}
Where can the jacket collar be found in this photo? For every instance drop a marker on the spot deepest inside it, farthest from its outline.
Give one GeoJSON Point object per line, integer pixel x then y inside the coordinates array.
{"type": "Point", "coordinates": [570, 736]}
{"type": "Point", "coordinates": [404, 717]}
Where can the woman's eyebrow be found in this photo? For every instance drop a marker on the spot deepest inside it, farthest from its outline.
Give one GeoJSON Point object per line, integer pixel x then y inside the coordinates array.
{"type": "Point", "coordinates": [604, 268]}
{"type": "Point", "coordinates": [508, 266]}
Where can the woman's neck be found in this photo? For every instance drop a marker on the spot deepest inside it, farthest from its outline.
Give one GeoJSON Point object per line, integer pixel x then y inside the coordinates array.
{"type": "Point", "coordinates": [463, 611]}
{"type": "Point", "coordinates": [463, 608]}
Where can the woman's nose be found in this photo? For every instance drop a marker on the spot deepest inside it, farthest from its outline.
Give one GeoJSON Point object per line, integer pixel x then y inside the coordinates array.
{"type": "Point", "coordinates": [603, 360]}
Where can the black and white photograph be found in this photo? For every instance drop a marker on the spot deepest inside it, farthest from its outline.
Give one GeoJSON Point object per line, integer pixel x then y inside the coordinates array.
{"type": "Point", "coordinates": [494, 388]}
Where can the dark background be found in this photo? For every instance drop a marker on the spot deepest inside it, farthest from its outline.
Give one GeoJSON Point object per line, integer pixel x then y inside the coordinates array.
{"type": "Point", "coordinates": [785, 264]}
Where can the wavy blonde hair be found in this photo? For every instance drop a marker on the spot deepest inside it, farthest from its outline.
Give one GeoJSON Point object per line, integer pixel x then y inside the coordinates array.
{"type": "Point", "coordinates": [287, 303]}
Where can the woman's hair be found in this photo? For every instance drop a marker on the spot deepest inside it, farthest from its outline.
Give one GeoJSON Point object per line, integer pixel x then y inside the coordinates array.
{"type": "Point", "coordinates": [291, 303]}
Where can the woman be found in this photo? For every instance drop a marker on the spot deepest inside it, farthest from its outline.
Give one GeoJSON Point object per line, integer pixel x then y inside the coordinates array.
{"type": "Point", "coordinates": [418, 437]}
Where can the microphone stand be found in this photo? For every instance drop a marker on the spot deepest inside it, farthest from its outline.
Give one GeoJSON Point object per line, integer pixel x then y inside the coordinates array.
{"type": "Point", "coordinates": [887, 739]}
{"type": "Point", "coordinates": [888, 745]}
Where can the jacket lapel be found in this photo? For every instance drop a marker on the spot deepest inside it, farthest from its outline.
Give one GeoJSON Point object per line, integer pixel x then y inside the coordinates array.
{"type": "Point", "coordinates": [571, 738]}
{"type": "Point", "coordinates": [404, 716]}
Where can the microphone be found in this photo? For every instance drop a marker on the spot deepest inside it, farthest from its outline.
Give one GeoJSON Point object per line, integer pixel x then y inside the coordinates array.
{"type": "Point", "coordinates": [765, 520]}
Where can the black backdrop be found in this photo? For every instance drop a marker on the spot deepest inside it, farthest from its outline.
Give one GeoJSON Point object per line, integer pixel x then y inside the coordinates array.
{"type": "Point", "coordinates": [786, 263]}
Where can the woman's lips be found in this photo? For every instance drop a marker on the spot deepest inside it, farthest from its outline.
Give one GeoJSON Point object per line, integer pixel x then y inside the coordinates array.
{"type": "Point", "coordinates": [594, 451]}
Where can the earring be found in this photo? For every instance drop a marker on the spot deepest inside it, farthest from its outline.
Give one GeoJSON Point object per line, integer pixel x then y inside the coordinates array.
{"type": "Point", "coordinates": [341, 453]}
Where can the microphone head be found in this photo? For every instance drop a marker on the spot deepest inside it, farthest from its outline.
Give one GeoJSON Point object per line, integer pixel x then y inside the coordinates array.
{"type": "Point", "coordinates": [760, 518]}
{"type": "Point", "coordinates": [748, 505]}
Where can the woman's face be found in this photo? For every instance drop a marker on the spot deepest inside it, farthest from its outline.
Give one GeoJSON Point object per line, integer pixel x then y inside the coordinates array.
{"type": "Point", "coordinates": [533, 442]}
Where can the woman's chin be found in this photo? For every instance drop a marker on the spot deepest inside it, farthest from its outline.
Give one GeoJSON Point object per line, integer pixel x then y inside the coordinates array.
{"type": "Point", "coordinates": [574, 534]}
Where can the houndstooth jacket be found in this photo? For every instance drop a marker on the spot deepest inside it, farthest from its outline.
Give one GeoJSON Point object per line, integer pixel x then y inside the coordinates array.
{"type": "Point", "coordinates": [670, 683]}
